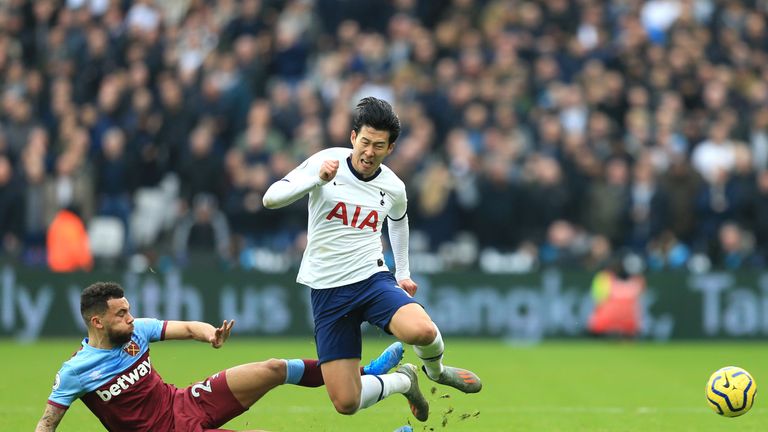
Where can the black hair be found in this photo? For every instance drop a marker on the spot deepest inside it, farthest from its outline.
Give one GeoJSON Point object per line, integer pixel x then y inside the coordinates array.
{"type": "Point", "coordinates": [377, 114]}
{"type": "Point", "coordinates": [93, 300]}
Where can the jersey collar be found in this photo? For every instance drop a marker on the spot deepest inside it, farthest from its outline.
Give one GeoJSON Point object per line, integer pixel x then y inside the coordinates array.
{"type": "Point", "coordinates": [358, 175]}
{"type": "Point", "coordinates": [88, 347]}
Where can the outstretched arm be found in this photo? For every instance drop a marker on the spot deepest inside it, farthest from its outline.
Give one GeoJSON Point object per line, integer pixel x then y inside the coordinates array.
{"type": "Point", "coordinates": [199, 331]}
{"type": "Point", "coordinates": [298, 183]}
{"type": "Point", "coordinates": [50, 419]}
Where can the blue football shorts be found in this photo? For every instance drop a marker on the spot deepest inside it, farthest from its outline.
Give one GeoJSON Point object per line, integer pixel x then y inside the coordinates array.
{"type": "Point", "coordinates": [339, 312]}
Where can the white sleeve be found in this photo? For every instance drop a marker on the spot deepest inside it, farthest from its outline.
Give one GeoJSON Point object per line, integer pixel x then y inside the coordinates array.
{"type": "Point", "coordinates": [398, 238]}
{"type": "Point", "coordinates": [293, 186]}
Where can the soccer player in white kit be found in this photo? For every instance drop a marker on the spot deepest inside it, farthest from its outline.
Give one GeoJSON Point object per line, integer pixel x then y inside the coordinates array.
{"type": "Point", "coordinates": [350, 195]}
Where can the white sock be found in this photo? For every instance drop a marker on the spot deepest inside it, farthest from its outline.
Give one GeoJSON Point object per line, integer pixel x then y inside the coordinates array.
{"type": "Point", "coordinates": [432, 355]}
{"type": "Point", "coordinates": [377, 387]}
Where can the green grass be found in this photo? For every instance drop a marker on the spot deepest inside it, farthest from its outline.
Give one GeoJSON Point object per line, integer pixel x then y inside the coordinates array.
{"type": "Point", "coordinates": [555, 386]}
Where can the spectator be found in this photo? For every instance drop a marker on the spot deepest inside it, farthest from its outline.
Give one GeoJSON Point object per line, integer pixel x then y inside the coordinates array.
{"type": "Point", "coordinates": [35, 224]}
{"type": "Point", "coordinates": [248, 21]}
{"type": "Point", "coordinates": [545, 194]}
{"type": "Point", "coordinates": [714, 155]}
{"type": "Point", "coordinates": [495, 219]}
{"type": "Point", "coordinates": [71, 186]}
{"type": "Point", "coordinates": [202, 171]}
{"type": "Point", "coordinates": [202, 233]}
{"type": "Point", "coordinates": [11, 213]}
{"type": "Point", "coordinates": [437, 210]}
{"type": "Point", "coordinates": [681, 184]}
{"type": "Point", "coordinates": [646, 211]}
{"type": "Point", "coordinates": [735, 248]}
{"type": "Point", "coordinates": [177, 121]}
{"type": "Point", "coordinates": [607, 200]}
{"type": "Point", "coordinates": [20, 123]}
{"type": "Point", "coordinates": [115, 177]}
{"type": "Point", "coordinates": [716, 202]}
{"type": "Point", "coordinates": [565, 245]}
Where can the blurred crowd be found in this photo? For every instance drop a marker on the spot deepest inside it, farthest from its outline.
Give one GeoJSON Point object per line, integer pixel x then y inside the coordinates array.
{"type": "Point", "coordinates": [535, 133]}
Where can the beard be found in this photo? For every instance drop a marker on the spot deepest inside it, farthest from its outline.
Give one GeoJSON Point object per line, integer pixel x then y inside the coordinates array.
{"type": "Point", "coordinates": [118, 338]}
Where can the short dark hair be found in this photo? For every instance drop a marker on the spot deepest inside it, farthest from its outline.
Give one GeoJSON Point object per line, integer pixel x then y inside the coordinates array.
{"type": "Point", "coordinates": [93, 300]}
{"type": "Point", "coordinates": [378, 114]}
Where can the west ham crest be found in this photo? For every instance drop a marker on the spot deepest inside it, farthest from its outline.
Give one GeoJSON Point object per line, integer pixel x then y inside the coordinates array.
{"type": "Point", "coordinates": [132, 348]}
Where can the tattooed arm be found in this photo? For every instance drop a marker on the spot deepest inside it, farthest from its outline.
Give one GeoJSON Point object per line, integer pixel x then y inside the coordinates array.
{"type": "Point", "coordinates": [51, 418]}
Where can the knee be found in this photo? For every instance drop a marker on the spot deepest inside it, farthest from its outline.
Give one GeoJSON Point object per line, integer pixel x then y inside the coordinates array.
{"type": "Point", "coordinates": [346, 406]}
{"type": "Point", "coordinates": [275, 370]}
{"type": "Point", "coordinates": [427, 332]}
{"type": "Point", "coordinates": [423, 332]}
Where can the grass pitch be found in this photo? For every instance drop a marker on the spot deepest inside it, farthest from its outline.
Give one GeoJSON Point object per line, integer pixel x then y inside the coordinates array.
{"type": "Point", "coordinates": [555, 386]}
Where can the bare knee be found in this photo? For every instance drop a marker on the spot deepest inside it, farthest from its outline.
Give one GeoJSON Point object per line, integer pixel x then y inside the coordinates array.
{"type": "Point", "coordinates": [274, 370]}
{"type": "Point", "coordinates": [412, 325]}
{"type": "Point", "coordinates": [422, 332]}
{"type": "Point", "coordinates": [343, 384]}
{"type": "Point", "coordinates": [345, 406]}
{"type": "Point", "coordinates": [427, 332]}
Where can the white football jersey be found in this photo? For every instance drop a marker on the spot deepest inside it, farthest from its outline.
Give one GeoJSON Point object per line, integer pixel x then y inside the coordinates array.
{"type": "Point", "coordinates": [345, 219]}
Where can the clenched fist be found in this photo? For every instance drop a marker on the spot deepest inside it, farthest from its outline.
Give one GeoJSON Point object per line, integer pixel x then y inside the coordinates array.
{"type": "Point", "coordinates": [328, 170]}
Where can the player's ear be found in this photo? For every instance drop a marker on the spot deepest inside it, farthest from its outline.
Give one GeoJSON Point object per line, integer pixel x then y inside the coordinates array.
{"type": "Point", "coordinates": [390, 148]}
{"type": "Point", "coordinates": [96, 322]}
{"type": "Point", "coordinates": [353, 136]}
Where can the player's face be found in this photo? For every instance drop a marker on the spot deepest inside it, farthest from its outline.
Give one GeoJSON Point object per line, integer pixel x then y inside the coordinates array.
{"type": "Point", "coordinates": [118, 321]}
{"type": "Point", "coordinates": [369, 148]}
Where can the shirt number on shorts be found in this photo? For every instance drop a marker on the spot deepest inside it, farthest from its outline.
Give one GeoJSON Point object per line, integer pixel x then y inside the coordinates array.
{"type": "Point", "coordinates": [205, 386]}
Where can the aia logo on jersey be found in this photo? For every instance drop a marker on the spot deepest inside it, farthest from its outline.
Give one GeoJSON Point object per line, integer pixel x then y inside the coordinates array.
{"type": "Point", "coordinates": [340, 212]}
{"type": "Point", "coordinates": [132, 348]}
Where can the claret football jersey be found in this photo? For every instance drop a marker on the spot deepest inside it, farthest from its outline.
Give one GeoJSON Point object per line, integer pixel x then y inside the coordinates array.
{"type": "Point", "coordinates": [345, 220]}
{"type": "Point", "coordinates": [120, 386]}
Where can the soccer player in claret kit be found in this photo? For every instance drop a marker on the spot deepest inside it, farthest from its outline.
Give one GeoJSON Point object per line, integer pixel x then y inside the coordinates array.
{"type": "Point", "coordinates": [114, 377]}
{"type": "Point", "coordinates": [350, 195]}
